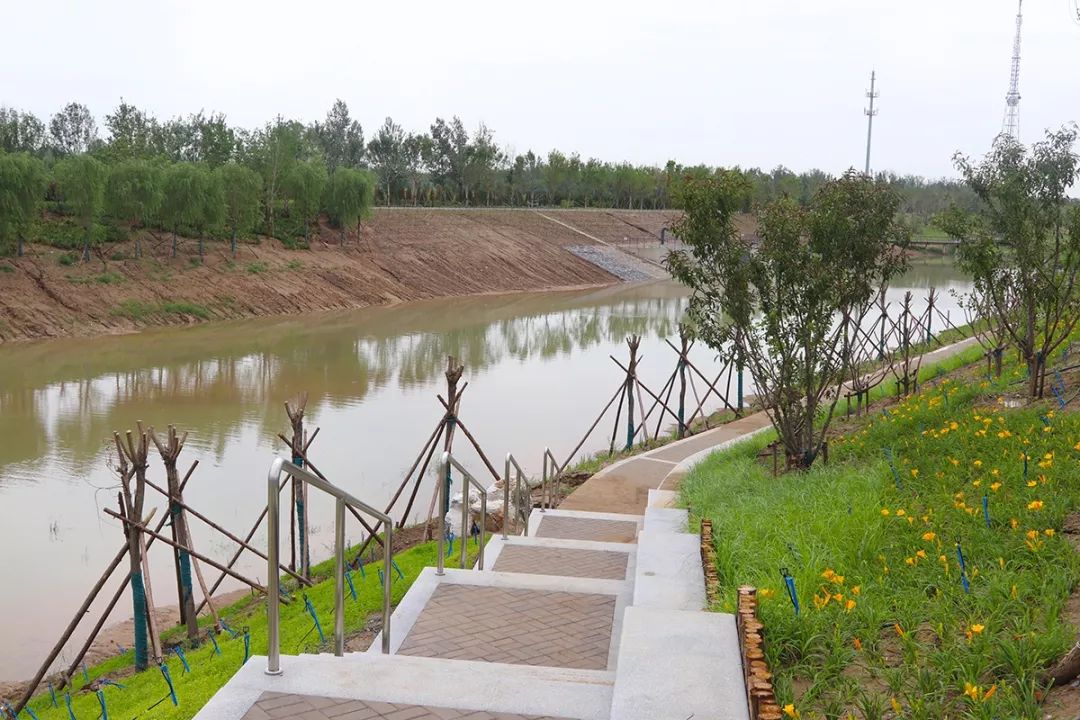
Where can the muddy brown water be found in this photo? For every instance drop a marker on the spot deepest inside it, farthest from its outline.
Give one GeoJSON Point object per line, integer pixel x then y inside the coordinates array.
{"type": "Point", "coordinates": [538, 371]}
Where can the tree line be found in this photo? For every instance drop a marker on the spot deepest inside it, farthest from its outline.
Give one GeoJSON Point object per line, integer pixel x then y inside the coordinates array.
{"type": "Point", "coordinates": [201, 174]}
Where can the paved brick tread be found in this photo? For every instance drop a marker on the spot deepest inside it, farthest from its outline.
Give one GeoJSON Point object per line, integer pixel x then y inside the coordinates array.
{"type": "Point", "coordinates": [566, 562]}
{"type": "Point", "coordinates": [271, 706]}
{"type": "Point", "coordinates": [576, 528]}
{"type": "Point", "coordinates": [521, 627]}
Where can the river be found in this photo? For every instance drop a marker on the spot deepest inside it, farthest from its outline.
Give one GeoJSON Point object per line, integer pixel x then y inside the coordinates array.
{"type": "Point", "coordinates": [538, 372]}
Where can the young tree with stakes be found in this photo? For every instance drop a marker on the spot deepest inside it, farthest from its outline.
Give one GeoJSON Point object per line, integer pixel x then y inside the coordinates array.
{"type": "Point", "coordinates": [1023, 248]}
{"type": "Point", "coordinates": [349, 197]}
{"type": "Point", "coordinates": [782, 307]}
{"type": "Point", "coordinates": [304, 185]}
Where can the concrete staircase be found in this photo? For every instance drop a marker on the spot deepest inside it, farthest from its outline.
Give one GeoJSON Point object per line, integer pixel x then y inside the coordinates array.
{"type": "Point", "coordinates": [593, 616]}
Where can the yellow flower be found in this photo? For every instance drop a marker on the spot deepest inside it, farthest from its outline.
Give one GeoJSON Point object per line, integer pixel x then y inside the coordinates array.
{"type": "Point", "coordinates": [921, 553]}
{"type": "Point", "coordinates": [929, 536]}
{"type": "Point", "coordinates": [976, 483]}
{"type": "Point", "coordinates": [900, 512]}
{"type": "Point", "coordinates": [977, 628]}
{"type": "Point", "coordinates": [790, 711]}
{"type": "Point", "coordinates": [897, 708]}
{"type": "Point", "coordinates": [995, 472]}
{"type": "Point", "coordinates": [1049, 532]}
{"type": "Point", "coordinates": [953, 425]}
{"type": "Point", "coordinates": [1032, 534]}
{"type": "Point", "coordinates": [857, 643]}
{"type": "Point", "coordinates": [978, 463]}
{"type": "Point", "coordinates": [899, 630]}
{"type": "Point", "coordinates": [1035, 505]}
{"type": "Point", "coordinates": [972, 691]}
{"type": "Point", "coordinates": [885, 512]}
{"type": "Point", "coordinates": [850, 605]}
{"type": "Point", "coordinates": [909, 560]}
{"type": "Point", "coordinates": [914, 472]}
{"type": "Point", "coordinates": [829, 574]}
{"type": "Point", "coordinates": [1032, 483]}
{"type": "Point", "coordinates": [1014, 522]}
{"type": "Point", "coordinates": [766, 592]}
{"type": "Point", "coordinates": [995, 486]}
{"type": "Point", "coordinates": [1047, 428]}
{"type": "Point", "coordinates": [989, 692]}
{"type": "Point", "coordinates": [856, 590]}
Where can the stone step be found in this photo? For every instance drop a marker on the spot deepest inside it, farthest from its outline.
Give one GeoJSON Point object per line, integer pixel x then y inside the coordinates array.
{"type": "Point", "coordinates": [664, 519]}
{"type": "Point", "coordinates": [675, 664]}
{"type": "Point", "coordinates": [582, 525]}
{"type": "Point", "coordinates": [668, 573]}
{"type": "Point", "coordinates": [418, 681]}
{"type": "Point", "coordinates": [663, 498]}
{"type": "Point", "coordinates": [560, 557]}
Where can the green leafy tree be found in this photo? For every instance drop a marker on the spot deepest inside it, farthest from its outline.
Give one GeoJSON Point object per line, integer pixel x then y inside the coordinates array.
{"type": "Point", "coordinates": [785, 307]}
{"type": "Point", "coordinates": [131, 132]}
{"type": "Point", "coordinates": [1023, 248]}
{"type": "Point", "coordinates": [273, 151]}
{"type": "Point", "coordinates": [133, 194]}
{"type": "Point", "coordinates": [20, 131]}
{"type": "Point", "coordinates": [241, 187]}
{"type": "Point", "coordinates": [389, 155]}
{"type": "Point", "coordinates": [73, 130]}
{"type": "Point", "coordinates": [80, 180]}
{"type": "Point", "coordinates": [193, 198]}
{"type": "Point", "coordinates": [22, 188]}
{"type": "Point", "coordinates": [340, 138]}
{"type": "Point", "coordinates": [304, 185]}
{"type": "Point", "coordinates": [349, 197]}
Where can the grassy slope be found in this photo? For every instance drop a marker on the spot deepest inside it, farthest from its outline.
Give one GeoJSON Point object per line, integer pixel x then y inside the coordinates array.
{"type": "Point", "coordinates": [210, 672]}
{"type": "Point", "coordinates": [912, 635]}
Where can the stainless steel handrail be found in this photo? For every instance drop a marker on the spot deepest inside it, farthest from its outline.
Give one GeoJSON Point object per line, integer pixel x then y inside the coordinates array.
{"type": "Point", "coordinates": [552, 475]}
{"type": "Point", "coordinates": [467, 479]}
{"type": "Point", "coordinates": [520, 476]}
{"type": "Point", "coordinates": [273, 584]}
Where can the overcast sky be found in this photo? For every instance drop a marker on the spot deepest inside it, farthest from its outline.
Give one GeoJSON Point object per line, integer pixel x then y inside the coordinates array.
{"type": "Point", "coordinates": [724, 82]}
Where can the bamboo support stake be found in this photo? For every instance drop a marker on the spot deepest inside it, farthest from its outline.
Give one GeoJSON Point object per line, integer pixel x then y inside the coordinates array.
{"type": "Point", "coordinates": [240, 550]}
{"type": "Point", "coordinates": [593, 426]}
{"type": "Point", "coordinates": [244, 545]}
{"type": "Point", "coordinates": [212, 563]}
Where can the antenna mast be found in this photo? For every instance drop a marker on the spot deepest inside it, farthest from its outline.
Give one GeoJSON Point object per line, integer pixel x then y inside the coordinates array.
{"type": "Point", "coordinates": [870, 113]}
{"type": "Point", "coordinates": [1011, 125]}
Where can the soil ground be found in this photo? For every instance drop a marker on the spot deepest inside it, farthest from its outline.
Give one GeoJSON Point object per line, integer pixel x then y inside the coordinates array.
{"type": "Point", "coordinates": [400, 254]}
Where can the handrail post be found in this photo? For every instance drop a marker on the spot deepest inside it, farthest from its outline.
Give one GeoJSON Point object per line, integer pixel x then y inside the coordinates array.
{"type": "Point", "coordinates": [483, 530]}
{"type": "Point", "coordinates": [465, 529]}
{"type": "Point", "coordinates": [543, 483]}
{"type": "Point", "coordinates": [526, 511]}
{"type": "Point", "coordinates": [388, 595]}
{"type": "Point", "coordinates": [444, 465]}
{"type": "Point", "coordinates": [339, 578]}
{"type": "Point", "coordinates": [273, 579]}
{"type": "Point", "coordinates": [506, 496]}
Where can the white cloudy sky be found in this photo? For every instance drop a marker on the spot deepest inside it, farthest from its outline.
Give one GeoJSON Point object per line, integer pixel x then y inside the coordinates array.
{"type": "Point", "coordinates": [750, 82]}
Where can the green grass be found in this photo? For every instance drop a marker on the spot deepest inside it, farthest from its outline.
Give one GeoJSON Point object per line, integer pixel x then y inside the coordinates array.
{"type": "Point", "coordinates": [68, 259]}
{"type": "Point", "coordinates": [106, 278]}
{"type": "Point", "coordinates": [209, 672]}
{"type": "Point", "coordinates": [294, 265]}
{"type": "Point", "coordinates": [911, 633]}
{"type": "Point", "coordinates": [137, 310]}
{"type": "Point", "coordinates": [257, 268]}
{"type": "Point", "coordinates": [5, 268]}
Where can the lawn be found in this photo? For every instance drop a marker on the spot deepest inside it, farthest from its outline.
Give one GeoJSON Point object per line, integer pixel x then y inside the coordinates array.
{"type": "Point", "coordinates": [891, 622]}
{"type": "Point", "coordinates": [209, 671]}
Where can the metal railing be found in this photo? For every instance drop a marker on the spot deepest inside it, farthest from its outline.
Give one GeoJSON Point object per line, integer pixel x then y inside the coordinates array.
{"type": "Point", "coordinates": [520, 478]}
{"type": "Point", "coordinates": [273, 584]}
{"type": "Point", "coordinates": [467, 479]}
{"type": "Point", "coordinates": [552, 476]}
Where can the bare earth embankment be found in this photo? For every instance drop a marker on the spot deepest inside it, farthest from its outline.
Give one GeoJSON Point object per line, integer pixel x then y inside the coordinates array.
{"type": "Point", "coordinates": [400, 255]}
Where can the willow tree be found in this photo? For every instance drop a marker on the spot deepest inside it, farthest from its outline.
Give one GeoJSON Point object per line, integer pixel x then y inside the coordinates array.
{"type": "Point", "coordinates": [81, 181]}
{"type": "Point", "coordinates": [304, 185]}
{"type": "Point", "coordinates": [22, 188]}
{"type": "Point", "coordinates": [241, 187]}
{"type": "Point", "coordinates": [349, 197]}
{"type": "Point", "coordinates": [784, 306]}
{"type": "Point", "coordinates": [1023, 248]}
{"type": "Point", "coordinates": [133, 194]}
{"type": "Point", "coordinates": [193, 198]}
